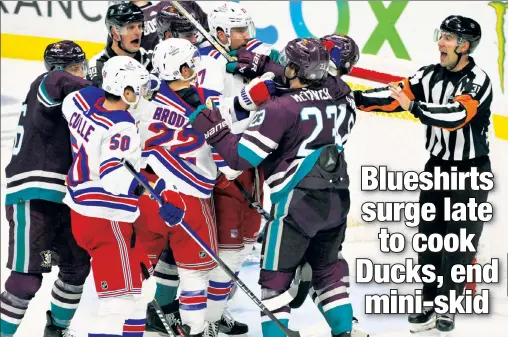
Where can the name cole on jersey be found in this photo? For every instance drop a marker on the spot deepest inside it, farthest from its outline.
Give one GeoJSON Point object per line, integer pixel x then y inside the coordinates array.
{"type": "Point", "coordinates": [172, 148]}
{"type": "Point", "coordinates": [97, 183]}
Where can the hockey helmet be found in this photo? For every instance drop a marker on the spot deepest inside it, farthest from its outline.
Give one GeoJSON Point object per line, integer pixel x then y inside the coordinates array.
{"type": "Point", "coordinates": [170, 55]}
{"type": "Point", "coordinates": [227, 16]}
{"type": "Point", "coordinates": [309, 57]}
{"type": "Point", "coordinates": [119, 15]}
{"type": "Point", "coordinates": [349, 52]}
{"type": "Point", "coordinates": [60, 54]}
{"type": "Point", "coordinates": [170, 20]}
{"type": "Point", "coordinates": [466, 29]}
{"type": "Point", "coordinates": [121, 72]}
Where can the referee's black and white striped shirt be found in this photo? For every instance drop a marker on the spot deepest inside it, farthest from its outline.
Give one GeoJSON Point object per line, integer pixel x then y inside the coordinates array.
{"type": "Point", "coordinates": [454, 106]}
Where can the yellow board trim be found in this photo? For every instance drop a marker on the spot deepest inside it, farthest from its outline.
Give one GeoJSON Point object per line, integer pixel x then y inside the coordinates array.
{"type": "Point", "coordinates": [32, 48]}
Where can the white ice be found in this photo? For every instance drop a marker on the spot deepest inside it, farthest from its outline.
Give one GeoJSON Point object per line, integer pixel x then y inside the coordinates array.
{"type": "Point", "coordinates": [375, 141]}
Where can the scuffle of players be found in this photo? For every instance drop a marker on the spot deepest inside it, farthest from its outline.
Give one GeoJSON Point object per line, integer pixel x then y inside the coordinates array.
{"type": "Point", "coordinates": [199, 129]}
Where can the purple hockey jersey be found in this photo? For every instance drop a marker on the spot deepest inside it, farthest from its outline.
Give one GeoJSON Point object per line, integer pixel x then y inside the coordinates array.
{"type": "Point", "coordinates": [41, 154]}
{"type": "Point", "coordinates": [287, 134]}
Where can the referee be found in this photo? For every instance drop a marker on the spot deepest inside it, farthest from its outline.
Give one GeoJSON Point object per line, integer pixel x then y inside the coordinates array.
{"type": "Point", "coordinates": [452, 99]}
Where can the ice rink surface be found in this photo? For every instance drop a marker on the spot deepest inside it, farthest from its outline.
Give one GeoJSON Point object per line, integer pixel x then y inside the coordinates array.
{"type": "Point", "coordinates": [375, 140]}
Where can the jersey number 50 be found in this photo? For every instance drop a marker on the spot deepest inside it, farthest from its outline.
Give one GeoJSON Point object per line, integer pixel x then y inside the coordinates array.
{"type": "Point", "coordinates": [120, 142]}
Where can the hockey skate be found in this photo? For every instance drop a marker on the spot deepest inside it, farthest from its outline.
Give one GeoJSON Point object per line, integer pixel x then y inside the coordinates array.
{"type": "Point", "coordinates": [422, 322]}
{"type": "Point", "coordinates": [154, 324]}
{"type": "Point", "coordinates": [229, 326]}
{"type": "Point", "coordinates": [211, 330]}
{"type": "Point", "coordinates": [51, 330]}
{"type": "Point", "coordinates": [445, 323]}
{"type": "Point", "coordinates": [343, 334]}
{"type": "Point", "coordinates": [357, 331]}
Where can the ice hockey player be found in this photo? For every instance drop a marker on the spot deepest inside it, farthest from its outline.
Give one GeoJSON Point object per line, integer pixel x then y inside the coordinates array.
{"type": "Point", "coordinates": [103, 195]}
{"type": "Point", "coordinates": [40, 225]}
{"type": "Point", "coordinates": [344, 54]}
{"type": "Point", "coordinates": [238, 224]}
{"type": "Point", "coordinates": [307, 175]}
{"type": "Point", "coordinates": [453, 100]}
{"type": "Point", "coordinates": [124, 22]}
{"type": "Point", "coordinates": [212, 75]}
{"type": "Point", "coordinates": [183, 162]}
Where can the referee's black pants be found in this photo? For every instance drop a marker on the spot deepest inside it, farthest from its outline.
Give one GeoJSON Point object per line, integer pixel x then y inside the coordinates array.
{"type": "Point", "coordinates": [444, 261]}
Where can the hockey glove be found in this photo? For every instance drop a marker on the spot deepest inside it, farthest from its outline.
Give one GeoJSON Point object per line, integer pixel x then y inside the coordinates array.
{"type": "Point", "coordinates": [158, 188]}
{"type": "Point", "coordinates": [173, 209]}
{"type": "Point", "coordinates": [136, 188]}
{"type": "Point", "coordinates": [257, 92]}
{"type": "Point", "coordinates": [248, 64]}
{"type": "Point", "coordinates": [209, 122]}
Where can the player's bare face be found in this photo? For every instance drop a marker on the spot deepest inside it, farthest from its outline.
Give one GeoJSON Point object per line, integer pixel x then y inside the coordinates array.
{"type": "Point", "coordinates": [239, 37]}
{"type": "Point", "coordinates": [130, 36]}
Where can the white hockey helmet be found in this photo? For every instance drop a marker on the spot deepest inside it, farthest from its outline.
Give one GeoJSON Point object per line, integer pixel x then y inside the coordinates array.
{"type": "Point", "coordinates": [120, 72]}
{"type": "Point", "coordinates": [227, 16]}
{"type": "Point", "coordinates": [170, 55]}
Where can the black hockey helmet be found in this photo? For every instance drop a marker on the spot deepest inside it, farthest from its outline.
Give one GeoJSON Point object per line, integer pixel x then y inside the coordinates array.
{"type": "Point", "coordinates": [60, 54]}
{"type": "Point", "coordinates": [121, 14]}
{"type": "Point", "coordinates": [349, 52]}
{"type": "Point", "coordinates": [465, 28]}
{"type": "Point", "coordinates": [309, 57]}
{"type": "Point", "coordinates": [170, 20]}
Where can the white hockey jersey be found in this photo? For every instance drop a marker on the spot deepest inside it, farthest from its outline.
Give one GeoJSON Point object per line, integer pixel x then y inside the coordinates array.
{"type": "Point", "coordinates": [175, 152]}
{"type": "Point", "coordinates": [212, 75]}
{"type": "Point", "coordinates": [97, 183]}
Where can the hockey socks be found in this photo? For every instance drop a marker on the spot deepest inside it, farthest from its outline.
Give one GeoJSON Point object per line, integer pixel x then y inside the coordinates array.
{"type": "Point", "coordinates": [166, 276]}
{"type": "Point", "coordinates": [13, 311]}
{"type": "Point", "coordinates": [269, 328]}
{"type": "Point", "coordinates": [20, 288]}
{"type": "Point", "coordinates": [333, 303]}
{"type": "Point", "coordinates": [134, 327]}
{"type": "Point", "coordinates": [220, 284]}
{"type": "Point", "coordinates": [65, 299]}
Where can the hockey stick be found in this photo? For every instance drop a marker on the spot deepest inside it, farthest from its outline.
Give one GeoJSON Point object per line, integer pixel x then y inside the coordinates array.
{"type": "Point", "coordinates": [203, 31]}
{"type": "Point", "coordinates": [253, 202]}
{"type": "Point", "coordinates": [211, 253]}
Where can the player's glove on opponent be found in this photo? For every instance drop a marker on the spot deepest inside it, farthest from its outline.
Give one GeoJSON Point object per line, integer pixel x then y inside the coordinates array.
{"type": "Point", "coordinates": [209, 122]}
{"type": "Point", "coordinates": [257, 92]}
{"type": "Point", "coordinates": [250, 65]}
{"type": "Point", "coordinates": [173, 209]}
